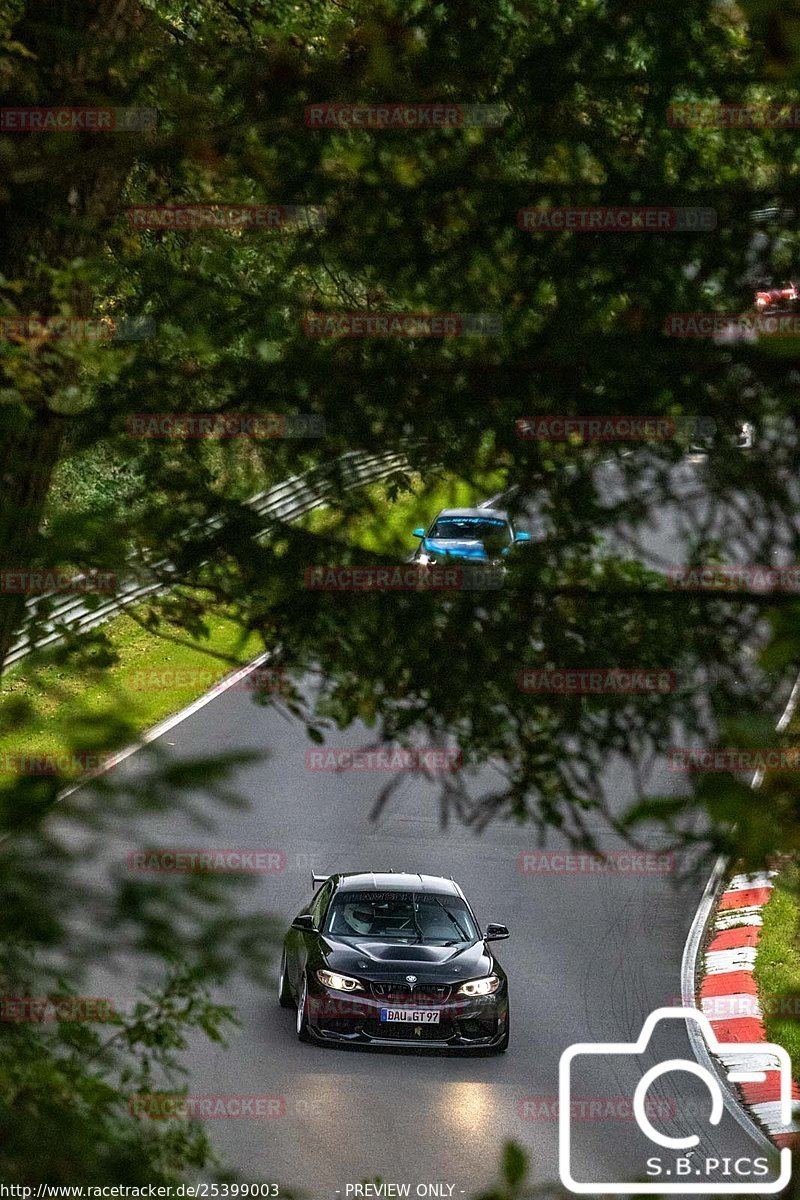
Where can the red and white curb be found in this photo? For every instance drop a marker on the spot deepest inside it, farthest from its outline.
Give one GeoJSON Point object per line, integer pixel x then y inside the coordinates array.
{"type": "Point", "coordinates": [729, 998]}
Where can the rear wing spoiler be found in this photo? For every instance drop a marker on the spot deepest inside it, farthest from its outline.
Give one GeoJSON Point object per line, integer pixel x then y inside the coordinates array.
{"type": "Point", "coordinates": [315, 878]}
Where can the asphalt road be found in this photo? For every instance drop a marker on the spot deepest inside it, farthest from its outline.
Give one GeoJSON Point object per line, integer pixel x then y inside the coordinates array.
{"type": "Point", "coordinates": [589, 957]}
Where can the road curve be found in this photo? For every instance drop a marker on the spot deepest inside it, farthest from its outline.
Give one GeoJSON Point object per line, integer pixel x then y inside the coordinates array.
{"type": "Point", "coordinates": [589, 957]}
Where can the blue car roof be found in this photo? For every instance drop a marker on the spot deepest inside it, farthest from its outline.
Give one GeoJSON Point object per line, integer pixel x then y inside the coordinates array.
{"type": "Point", "coordinates": [491, 514]}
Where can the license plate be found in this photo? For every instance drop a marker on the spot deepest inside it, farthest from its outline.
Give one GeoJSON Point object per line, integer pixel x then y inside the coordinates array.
{"type": "Point", "coordinates": [411, 1016]}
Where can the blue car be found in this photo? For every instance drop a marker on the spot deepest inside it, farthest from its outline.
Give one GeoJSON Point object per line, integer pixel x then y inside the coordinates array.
{"type": "Point", "coordinates": [478, 534]}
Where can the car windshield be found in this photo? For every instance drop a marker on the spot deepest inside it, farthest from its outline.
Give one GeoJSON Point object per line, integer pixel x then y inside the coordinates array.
{"type": "Point", "coordinates": [401, 916]}
{"type": "Point", "coordinates": [476, 529]}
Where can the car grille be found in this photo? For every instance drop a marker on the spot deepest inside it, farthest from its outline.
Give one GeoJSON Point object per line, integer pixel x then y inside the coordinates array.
{"type": "Point", "coordinates": [409, 1033]}
{"type": "Point", "coordinates": [405, 993]}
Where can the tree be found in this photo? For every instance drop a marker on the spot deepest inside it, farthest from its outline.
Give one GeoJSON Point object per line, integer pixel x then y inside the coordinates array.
{"type": "Point", "coordinates": [422, 221]}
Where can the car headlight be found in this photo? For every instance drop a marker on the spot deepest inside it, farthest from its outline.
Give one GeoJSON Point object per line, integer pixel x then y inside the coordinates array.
{"type": "Point", "coordinates": [423, 558]}
{"type": "Point", "coordinates": [480, 987]}
{"type": "Point", "coordinates": [339, 983]}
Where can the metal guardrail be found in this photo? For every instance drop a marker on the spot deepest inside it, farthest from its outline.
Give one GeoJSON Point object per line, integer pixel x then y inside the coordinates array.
{"type": "Point", "coordinates": [285, 501]}
{"type": "Point", "coordinates": [762, 216]}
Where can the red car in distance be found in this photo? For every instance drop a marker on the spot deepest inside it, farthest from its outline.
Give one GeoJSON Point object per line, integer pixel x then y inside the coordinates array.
{"type": "Point", "coordinates": [777, 299]}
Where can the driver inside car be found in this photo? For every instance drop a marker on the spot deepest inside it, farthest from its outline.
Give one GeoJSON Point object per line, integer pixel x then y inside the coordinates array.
{"type": "Point", "coordinates": [359, 917]}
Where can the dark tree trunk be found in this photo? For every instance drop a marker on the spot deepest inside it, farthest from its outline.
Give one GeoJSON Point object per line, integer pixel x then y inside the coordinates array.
{"type": "Point", "coordinates": [50, 214]}
{"type": "Point", "coordinates": [28, 455]}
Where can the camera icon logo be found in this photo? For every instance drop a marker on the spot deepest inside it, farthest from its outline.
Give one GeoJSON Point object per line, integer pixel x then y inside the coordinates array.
{"type": "Point", "coordinates": [688, 1174]}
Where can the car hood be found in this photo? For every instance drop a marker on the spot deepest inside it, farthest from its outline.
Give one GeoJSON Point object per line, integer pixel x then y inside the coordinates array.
{"type": "Point", "coordinates": [454, 547]}
{"type": "Point", "coordinates": [379, 961]}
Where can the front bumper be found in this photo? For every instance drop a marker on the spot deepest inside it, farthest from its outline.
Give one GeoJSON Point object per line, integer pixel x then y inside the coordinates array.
{"type": "Point", "coordinates": [465, 1023]}
{"type": "Point", "coordinates": [467, 574]}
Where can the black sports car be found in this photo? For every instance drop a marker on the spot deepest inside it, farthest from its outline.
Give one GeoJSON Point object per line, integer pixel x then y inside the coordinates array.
{"type": "Point", "coordinates": [394, 960]}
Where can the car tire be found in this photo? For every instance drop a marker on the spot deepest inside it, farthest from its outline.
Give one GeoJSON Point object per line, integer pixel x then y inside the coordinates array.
{"type": "Point", "coordinates": [303, 1032]}
{"type": "Point", "coordinates": [285, 998]}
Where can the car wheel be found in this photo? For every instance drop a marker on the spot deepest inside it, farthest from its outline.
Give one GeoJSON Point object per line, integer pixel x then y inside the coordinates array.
{"type": "Point", "coordinates": [284, 991]}
{"type": "Point", "coordinates": [502, 1046]}
{"type": "Point", "coordinates": [302, 1012]}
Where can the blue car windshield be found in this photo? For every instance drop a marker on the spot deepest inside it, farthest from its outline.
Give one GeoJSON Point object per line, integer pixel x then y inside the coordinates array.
{"type": "Point", "coordinates": [475, 529]}
{"type": "Point", "coordinates": [401, 916]}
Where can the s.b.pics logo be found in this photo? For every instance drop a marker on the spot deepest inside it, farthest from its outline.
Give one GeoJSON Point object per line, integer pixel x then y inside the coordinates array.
{"type": "Point", "coordinates": [679, 1154]}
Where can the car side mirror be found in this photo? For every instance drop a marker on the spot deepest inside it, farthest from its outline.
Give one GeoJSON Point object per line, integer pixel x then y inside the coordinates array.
{"type": "Point", "coordinates": [495, 933]}
{"type": "Point", "coordinates": [305, 923]}
{"type": "Point", "coordinates": [418, 533]}
{"type": "Point", "coordinates": [522, 537]}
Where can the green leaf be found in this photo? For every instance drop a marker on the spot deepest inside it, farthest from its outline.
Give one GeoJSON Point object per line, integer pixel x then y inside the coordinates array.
{"type": "Point", "coordinates": [515, 1164]}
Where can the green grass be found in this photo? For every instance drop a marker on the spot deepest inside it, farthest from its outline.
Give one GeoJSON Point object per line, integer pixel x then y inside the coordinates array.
{"type": "Point", "coordinates": [49, 706]}
{"type": "Point", "coordinates": [384, 518]}
{"type": "Point", "coordinates": [777, 971]}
